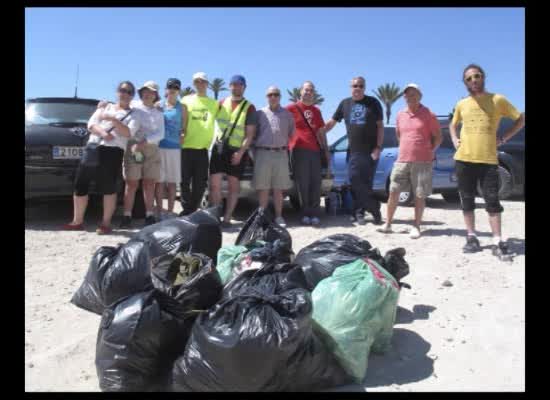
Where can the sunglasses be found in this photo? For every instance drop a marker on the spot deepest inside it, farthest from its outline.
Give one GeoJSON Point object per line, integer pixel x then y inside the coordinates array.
{"type": "Point", "coordinates": [173, 87]}
{"type": "Point", "coordinates": [273, 94]}
{"type": "Point", "coordinates": [358, 86]}
{"type": "Point", "coordinates": [126, 91]}
{"type": "Point", "coordinates": [476, 76]}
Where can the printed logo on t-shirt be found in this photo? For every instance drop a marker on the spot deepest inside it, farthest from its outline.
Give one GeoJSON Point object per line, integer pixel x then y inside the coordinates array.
{"type": "Point", "coordinates": [358, 114]}
{"type": "Point", "coordinates": [309, 116]}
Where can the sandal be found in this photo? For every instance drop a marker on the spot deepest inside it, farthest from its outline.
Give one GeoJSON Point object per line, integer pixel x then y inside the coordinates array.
{"type": "Point", "coordinates": [103, 230]}
{"type": "Point", "coordinates": [71, 227]}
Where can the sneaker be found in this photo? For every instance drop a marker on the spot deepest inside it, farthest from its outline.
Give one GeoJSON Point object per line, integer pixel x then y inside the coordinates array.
{"type": "Point", "coordinates": [472, 245]}
{"type": "Point", "coordinates": [280, 221]}
{"type": "Point", "coordinates": [306, 221]}
{"type": "Point", "coordinates": [150, 220]}
{"type": "Point", "coordinates": [315, 221]}
{"type": "Point", "coordinates": [226, 224]}
{"type": "Point", "coordinates": [385, 229]}
{"type": "Point", "coordinates": [71, 227]}
{"type": "Point", "coordinates": [414, 233]}
{"type": "Point", "coordinates": [377, 217]}
{"type": "Point", "coordinates": [352, 218]}
{"type": "Point", "coordinates": [502, 251]}
{"type": "Point", "coordinates": [126, 222]}
{"type": "Point", "coordinates": [103, 230]}
{"type": "Point", "coordinates": [360, 218]}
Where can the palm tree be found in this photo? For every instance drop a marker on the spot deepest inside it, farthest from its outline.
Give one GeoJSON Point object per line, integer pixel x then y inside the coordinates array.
{"type": "Point", "coordinates": [295, 95]}
{"type": "Point", "coordinates": [187, 91]}
{"type": "Point", "coordinates": [217, 86]}
{"type": "Point", "coordinates": [388, 94]}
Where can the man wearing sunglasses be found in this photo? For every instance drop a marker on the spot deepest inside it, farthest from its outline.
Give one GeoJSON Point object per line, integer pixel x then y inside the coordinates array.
{"type": "Point", "coordinates": [365, 131]}
{"type": "Point", "coordinates": [476, 156]}
{"type": "Point", "coordinates": [271, 171]}
{"type": "Point", "coordinates": [237, 127]}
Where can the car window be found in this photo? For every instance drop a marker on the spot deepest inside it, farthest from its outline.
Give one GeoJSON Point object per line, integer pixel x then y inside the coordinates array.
{"type": "Point", "coordinates": [342, 144]}
{"type": "Point", "coordinates": [48, 113]}
{"type": "Point", "coordinates": [506, 123]}
{"type": "Point", "coordinates": [390, 140]}
{"type": "Point", "coordinates": [447, 142]}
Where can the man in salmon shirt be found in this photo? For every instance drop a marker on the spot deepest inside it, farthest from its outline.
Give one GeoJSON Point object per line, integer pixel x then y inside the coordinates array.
{"type": "Point", "coordinates": [306, 152]}
{"type": "Point", "coordinates": [419, 136]}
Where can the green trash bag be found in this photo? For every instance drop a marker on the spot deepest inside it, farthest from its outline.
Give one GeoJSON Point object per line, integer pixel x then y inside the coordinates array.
{"type": "Point", "coordinates": [228, 258]}
{"type": "Point", "coordinates": [356, 308]}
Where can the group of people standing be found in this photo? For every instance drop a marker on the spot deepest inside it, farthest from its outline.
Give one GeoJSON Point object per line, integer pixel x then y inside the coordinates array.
{"type": "Point", "coordinates": [166, 143]}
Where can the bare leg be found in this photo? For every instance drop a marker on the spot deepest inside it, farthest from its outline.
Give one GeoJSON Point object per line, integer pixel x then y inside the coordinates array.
{"type": "Point", "coordinates": [159, 196]}
{"type": "Point", "coordinates": [148, 194]}
{"type": "Point", "coordinates": [278, 202]}
{"type": "Point", "coordinates": [80, 203]}
{"type": "Point", "coordinates": [171, 196]}
{"type": "Point", "coordinates": [130, 195]}
{"type": "Point", "coordinates": [109, 206]}
{"type": "Point", "coordinates": [215, 193]}
{"type": "Point", "coordinates": [263, 198]}
{"type": "Point", "coordinates": [470, 221]}
{"type": "Point", "coordinates": [233, 197]}
{"type": "Point", "coordinates": [419, 205]}
{"type": "Point", "coordinates": [496, 224]}
{"type": "Point", "coordinates": [393, 201]}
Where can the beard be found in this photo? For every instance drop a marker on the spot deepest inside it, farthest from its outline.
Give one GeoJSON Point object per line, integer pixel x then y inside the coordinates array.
{"type": "Point", "coordinates": [481, 89]}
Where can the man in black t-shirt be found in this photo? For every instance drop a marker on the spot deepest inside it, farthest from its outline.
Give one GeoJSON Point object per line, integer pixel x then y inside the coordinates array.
{"type": "Point", "coordinates": [365, 131]}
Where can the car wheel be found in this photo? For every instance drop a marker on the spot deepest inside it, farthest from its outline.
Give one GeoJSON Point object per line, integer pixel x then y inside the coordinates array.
{"type": "Point", "coordinates": [505, 184]}
{"type": "Point", "coordinates": [406, 198]}
{"type": "Point", "coordinates": [295, 202]}
{"type": "Point", "coordinates": [451, 197]}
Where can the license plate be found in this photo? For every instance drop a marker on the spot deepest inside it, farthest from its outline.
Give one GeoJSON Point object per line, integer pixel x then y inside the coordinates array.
{"type": "Point", "coordinates": [67, 152]}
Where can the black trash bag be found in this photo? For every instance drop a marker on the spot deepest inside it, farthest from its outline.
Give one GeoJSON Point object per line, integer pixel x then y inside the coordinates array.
{"type": "Point", "coordinates": [322, 257]}
{"type": "Point", "coordinates": [141, 336]}
{"type": "Point", "coordinates": [88, 296]}
{"type": "Point", "coordinates": [129, 270]}
{"type": "Point", "coordinates": [189, 279]}
{"type": "Point", "coordinates": [199, 232]}
{"type": "Point", "coordinates": [259, 337]}
{"type": "Point", "coordinates": [261, 226]}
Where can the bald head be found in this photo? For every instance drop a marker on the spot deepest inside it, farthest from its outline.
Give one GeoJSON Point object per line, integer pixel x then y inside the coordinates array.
{"type": "Point", "coordinates": [307, 93]}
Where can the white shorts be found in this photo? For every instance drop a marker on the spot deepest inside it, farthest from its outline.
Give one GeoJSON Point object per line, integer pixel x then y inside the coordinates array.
{"type": "Point", "coordinates": [170, 165]}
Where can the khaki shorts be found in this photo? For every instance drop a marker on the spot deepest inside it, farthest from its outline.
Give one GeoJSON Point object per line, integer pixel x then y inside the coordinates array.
{"type": "Point", "coordinates": [271, 170]}
{"type": "Point", "coordinates": [415, 175]}
{"type": "Point", "coordinates": [148, 169]}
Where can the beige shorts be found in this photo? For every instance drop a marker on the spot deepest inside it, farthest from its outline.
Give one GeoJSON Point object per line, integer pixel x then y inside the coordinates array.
{"type": "Point", "coordinates": [415, 175]}
{"type": "Point", "coordinates": [148, 169]}
{"type": "Point", "coordinates": [170, 165]}
{"type": "Point", "coordinates": [271, 170]}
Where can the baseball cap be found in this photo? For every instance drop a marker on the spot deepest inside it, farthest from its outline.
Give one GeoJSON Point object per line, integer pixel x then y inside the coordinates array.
{"type": "Point", "coordinates": [151, 85]}
{"type": "Point", "coordinates": [238, 79]}
{"type": "Point", "coordinates": [412, 85]}
{"type": "Point", "coordinates": [200, 75]}
{"type": "Point", "coordinates": [173, 82]}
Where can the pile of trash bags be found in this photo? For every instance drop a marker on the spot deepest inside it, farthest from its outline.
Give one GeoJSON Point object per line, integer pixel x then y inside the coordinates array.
{"type": "Point", "coordinates": [262, 319]}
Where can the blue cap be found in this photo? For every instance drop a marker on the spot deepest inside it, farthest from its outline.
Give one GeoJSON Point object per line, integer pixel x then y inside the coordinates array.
{"type": "Point", "coordinates": [238, 79]}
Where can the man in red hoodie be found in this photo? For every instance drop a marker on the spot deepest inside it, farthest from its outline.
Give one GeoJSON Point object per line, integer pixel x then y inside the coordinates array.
{"type": "Point", "coordinates": [308, 145]}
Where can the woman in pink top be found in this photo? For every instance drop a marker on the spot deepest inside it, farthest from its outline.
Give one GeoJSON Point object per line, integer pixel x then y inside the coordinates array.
{"type": "Point", "coordinates": [419, 136]}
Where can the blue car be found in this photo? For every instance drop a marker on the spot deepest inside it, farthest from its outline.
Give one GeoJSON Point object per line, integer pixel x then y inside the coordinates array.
{"type": "Point", "coordinates": [444, 177]}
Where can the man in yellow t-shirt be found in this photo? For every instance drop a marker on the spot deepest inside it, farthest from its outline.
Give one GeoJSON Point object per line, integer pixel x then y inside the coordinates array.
{"type": "Point", "coordinates": [196, 139]}
{"type": "Point", "coordinates": [476, 155]}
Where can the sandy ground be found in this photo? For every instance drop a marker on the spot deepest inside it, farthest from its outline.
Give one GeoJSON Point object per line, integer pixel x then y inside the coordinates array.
{"type": "Point", "coordinates": [466, 337]}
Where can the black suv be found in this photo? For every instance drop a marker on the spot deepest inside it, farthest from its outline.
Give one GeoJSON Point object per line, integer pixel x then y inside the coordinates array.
{"type": "Point", "coordinates": [55, 135]}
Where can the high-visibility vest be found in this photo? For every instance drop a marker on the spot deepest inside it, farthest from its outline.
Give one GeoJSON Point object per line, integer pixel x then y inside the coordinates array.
{"type": "Point", "coordinates": [227, 117]}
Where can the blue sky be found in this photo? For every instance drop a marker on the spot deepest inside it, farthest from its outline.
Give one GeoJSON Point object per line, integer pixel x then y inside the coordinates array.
{"type": "Point", "coordinates": [281, 46]}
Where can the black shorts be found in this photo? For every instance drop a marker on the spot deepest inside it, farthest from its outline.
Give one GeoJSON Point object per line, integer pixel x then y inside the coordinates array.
{"type": "Point", "coordinates": [105, 174]}
{"type": "Point", "coordinates": [469, 175]}
{"type": "Point", "coordinates": [221, 163]}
